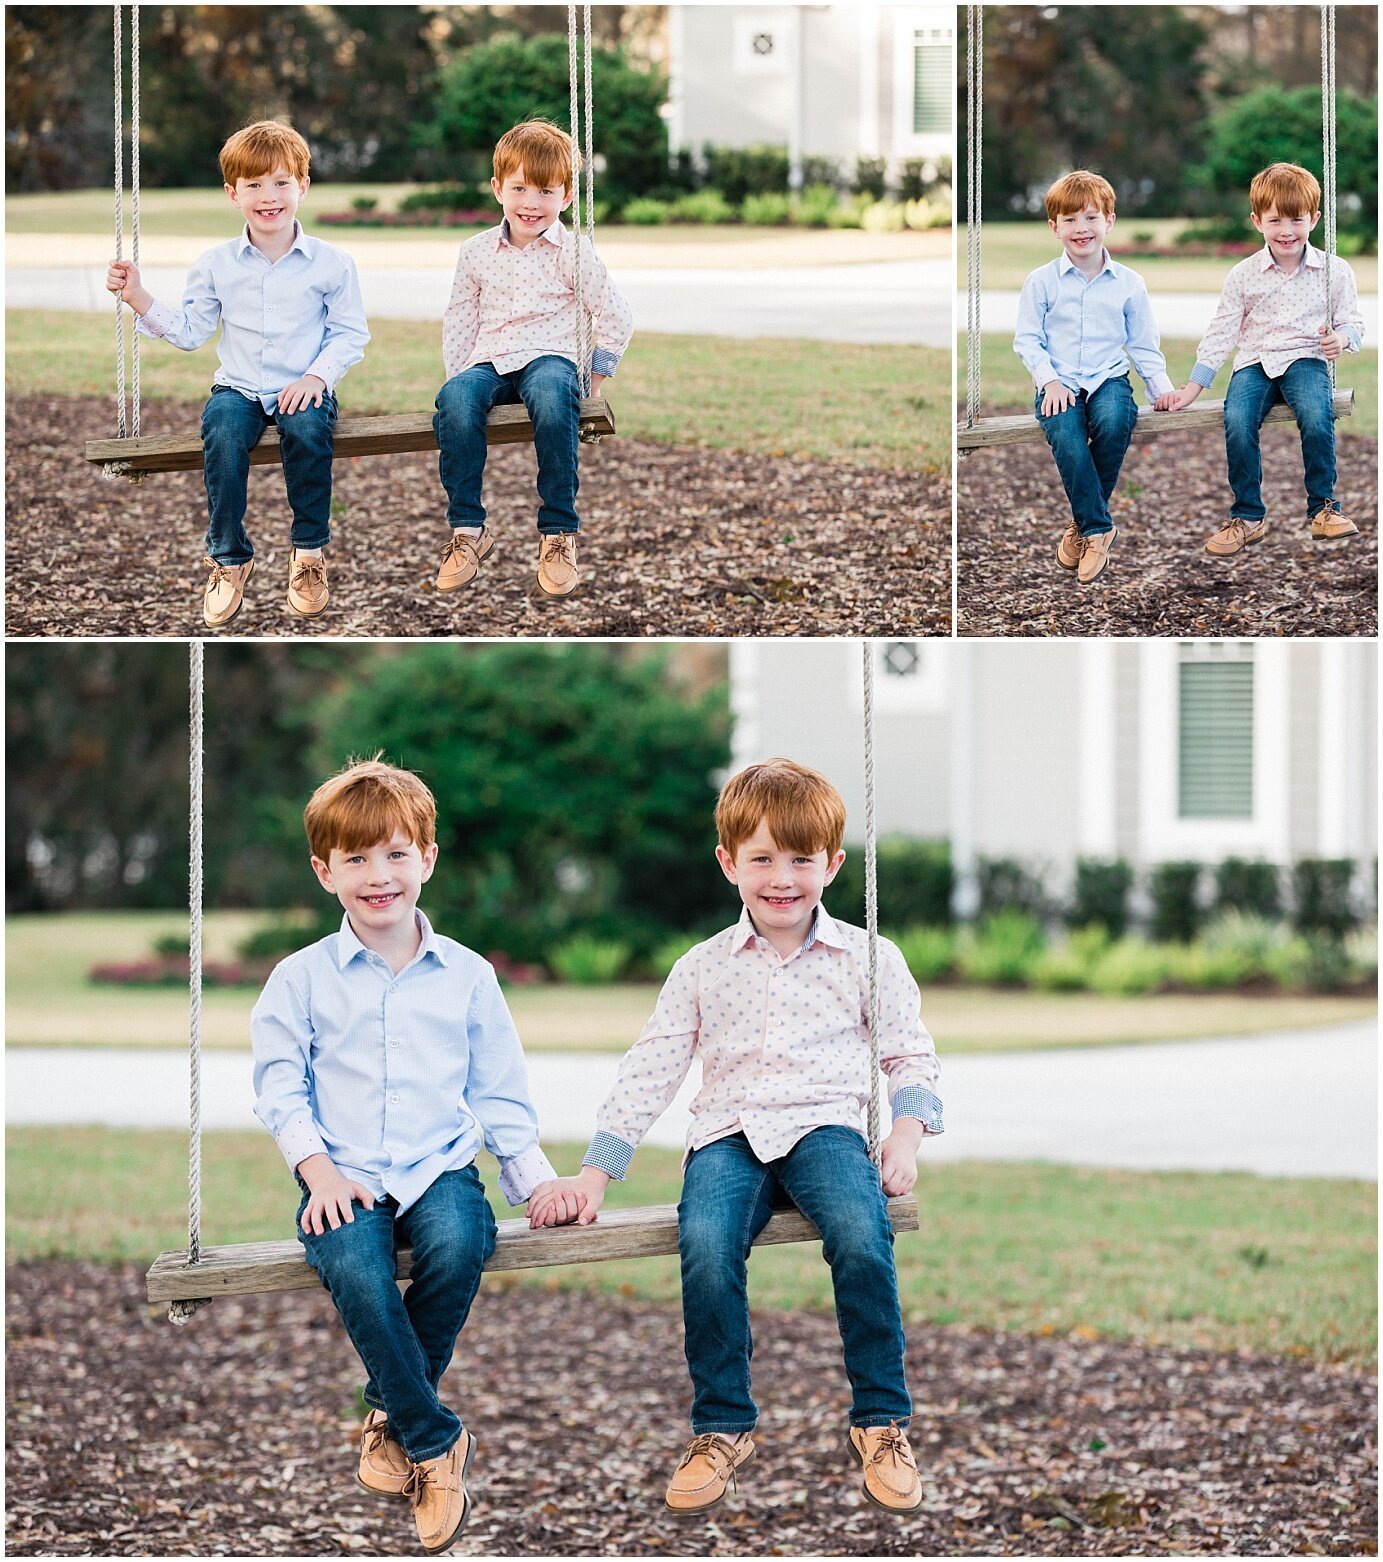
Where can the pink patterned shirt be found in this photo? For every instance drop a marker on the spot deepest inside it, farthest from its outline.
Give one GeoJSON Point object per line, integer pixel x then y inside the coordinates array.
{"type": "Point", "coordinates": [509, 306]}
{"type": "Point", "coordinates": [1272, 316]}
{"type": "Point", "coordinates": [784, 1044]}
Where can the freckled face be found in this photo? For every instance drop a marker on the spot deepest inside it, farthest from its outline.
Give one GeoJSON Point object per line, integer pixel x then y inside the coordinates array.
{"type": "Point", "coordinates": [531, 208]}
{"type": "Point", "coordinates": [780, 888]}
{"type": "Point", "coordinates": [1286, 236]}
{"type": "Point", "coordinates": [379, 885]}
{"type": "Point", "coordinates": [269, 201]}
{"type": "Point", "coordinates": [1082, 233]}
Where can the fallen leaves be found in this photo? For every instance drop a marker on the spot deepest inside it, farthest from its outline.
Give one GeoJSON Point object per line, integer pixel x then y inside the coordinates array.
{"type": "Point", "coordinates": [674, 542]}
{"type": "Point", "coordinates": [1172, 494]}
{"type": "Point", "coordinates": [235, 1435]}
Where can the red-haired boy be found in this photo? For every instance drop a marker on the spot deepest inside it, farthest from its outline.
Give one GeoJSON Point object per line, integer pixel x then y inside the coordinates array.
{"type": "Point", "coordinates": [384, 1057]}
{"type": "Point", "coordinates": [1082, 319]}
{"type": "Point", "coordinates": [511, 333]}
{"type": "Point", "coordinates": [292, 322]}
{"type": "Point", "coordinates": [777, 1009]}
{"type": "Point", "coordinates": [1273, 308]}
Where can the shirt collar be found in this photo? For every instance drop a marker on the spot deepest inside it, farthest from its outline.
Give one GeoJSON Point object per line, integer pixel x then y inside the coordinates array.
{"type": "Point", "coordinates": [301, 242]}
{"type": "Point", "coordinates": [1311, 258]}
{"type": "Point", "coordinates": [555, 234]}
{"type": "Point", "coordinates": [822, 931]}
{"type": "Point", "coordinates": [1065, 264]}
{"type": "Point", "coordinates": [348, 944]}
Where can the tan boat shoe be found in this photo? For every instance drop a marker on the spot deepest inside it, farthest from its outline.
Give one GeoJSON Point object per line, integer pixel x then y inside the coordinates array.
{"type": "Point", "coordinates": [558, 575]}
{"type": "Point", "coordinates": [384, 1467]}
{"type": "Point", "coordinates": [307, 585]}
{"type": "Point", "coordinates": [1094, 554]}
{"type": "Point", "coordinates": [891, 1480]}
{"type": "Point", "coordinates": [1236, 533]}
{"type": "Point", "coordinates": [224, 595]}
{"type": "Point", "coordinates": [1068, 549]}
{"type": "Point", "coordinates": [438, 1489]}
{"type": "Point", "coordinates": [461, 559]}
{"type": "Point", "coordinates": [1331, 524]}
{"type": "Point", "coordinates": [706, 1469]}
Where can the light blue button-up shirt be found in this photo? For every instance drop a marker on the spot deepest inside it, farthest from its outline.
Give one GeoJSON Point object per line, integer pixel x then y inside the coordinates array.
{"type": "Point", "coordinates": [301, 314]}
{"type": "Point", "coordinates": [398, 1078]}
{"type": "Point", "coordinates": [1086, 332]}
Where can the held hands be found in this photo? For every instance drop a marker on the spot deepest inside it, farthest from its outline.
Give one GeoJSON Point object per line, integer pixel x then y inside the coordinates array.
{"type": "Point", "coordinates": [1184, 397]}
{"type": "Point", "coordinates": [898, 1157]}
{"type": "Point", "coordinates": [1333, 343]}
{"type": "Point", "coordinates": [329, 1203]}
{"type": "Point", "coordinates": [1167, 402]}
{"type": "Point", "coordinates": [563, 1200]}
{"type": "Point", "coordinates": [122, 277]}
{"type": "Point", "coordinates": [308, 390]}
{"type": "Point", "coordinates": [1056, 397]}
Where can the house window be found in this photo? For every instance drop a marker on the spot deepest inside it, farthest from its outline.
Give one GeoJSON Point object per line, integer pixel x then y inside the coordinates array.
{"type": "Point", "coordinates": [901, 659]}
{"type": "Point", "coordinates": [1215, 732]}
{"type": "Point", "coordinates": [760, 45]}
{"type": "Point", "coordinates": [909, 675]}
{"type": "Point", "coordinates": [932, 83]}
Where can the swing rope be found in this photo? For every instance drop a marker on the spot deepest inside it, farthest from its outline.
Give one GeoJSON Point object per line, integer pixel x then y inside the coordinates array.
{"type": "Point", "coordinates": [1328, 160]}
{"type": "Point", "coordinates": [585, 336]}
{"type": "Point", "coordinates": [181, 1311]}
{"type": "Point", "coordinates": [871, 898]}
{"type": "Point", "coordinates": [113, 469]}
{"type": "Point", "coordinates": [974, 96]}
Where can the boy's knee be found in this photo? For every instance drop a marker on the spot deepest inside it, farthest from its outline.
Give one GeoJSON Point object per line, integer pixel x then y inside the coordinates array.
{"type": "Point", "coordinates": [463, 395]}
{"type": "Point", "coordinates": [309, 429]}
{"type": "Point", "coordinates": [704, 1242]}
{"type": "Point", "coordinates": [348, 1258]}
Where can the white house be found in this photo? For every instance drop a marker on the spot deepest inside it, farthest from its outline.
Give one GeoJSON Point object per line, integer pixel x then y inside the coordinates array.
{"type": "Point", "coordinates": [836, 81]}
{"type": "Point", "coordinates": [1149, 750]}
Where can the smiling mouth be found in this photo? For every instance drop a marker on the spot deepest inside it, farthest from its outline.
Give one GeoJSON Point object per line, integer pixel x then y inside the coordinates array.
{"type": "Point", "coordinates": [378, 902]}
{"type": "Point", "coordinates": [780, 901]}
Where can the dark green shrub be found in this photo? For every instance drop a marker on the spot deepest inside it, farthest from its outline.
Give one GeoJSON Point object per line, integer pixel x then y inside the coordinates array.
{"type": "Point", "coordinates": [1005, 884]}
{"type": "Point", "coordinates": [737, 171]}
{"type": "Point", "coordinates": [1247, 886]}
{"type": "Point", "coordinates": [930, 952]}
{"type": "Point", "coordinates": [1321, 896]}
{"type": "Point", "coordinates": [1314, 962]}
{"type": "Point", "coordinates": [445, 198]}
{"type": "Point", "coordinates": [1101, 894]}
{"type": "Point", "coordinates": [871, 177]}
{"type": "Point", "coordinates": [1002, 951]}
{"type": "Point", "coordinates": [915, 882]}
{"type": "Point", "coordinates": [1176, 913]}
{"type": "Point", "coordinates": [822, 170]}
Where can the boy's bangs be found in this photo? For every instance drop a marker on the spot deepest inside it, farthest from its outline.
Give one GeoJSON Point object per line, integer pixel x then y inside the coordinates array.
{"type": "Point", "coordinates": [1073, 192]}
{"type": "Point", "coordinates": [363, 821]}
{"type": "Point", "coordinates": [259, 149]}
{"type": "Point", "coordinates": [543, 151]}
{"type": "Point", "coordinates": [366, 804]}
{"type": "Point", "coordinates": [1287, 189]}
{"type": "Point", "coordinates": [802, 811]}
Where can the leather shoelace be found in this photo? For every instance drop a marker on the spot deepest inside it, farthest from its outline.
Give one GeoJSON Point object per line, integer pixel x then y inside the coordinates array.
{"type": "Point", "coordinates": [892, 1444]}
{"type": "Point", "coordinates": [457, 544]}
{"type": "Point", "coordinates": [563, 546]}
{"type": "Point", "coordinates": [376, 1435]}
{"type": "Point", "coordinates": [308, 573]}
{"type": "Point", "coordinates": [419, 1478]}
{"type": "Point", "coordinates": [713, 1446]}
{"type": "Point", "coordinates": [220, 575]}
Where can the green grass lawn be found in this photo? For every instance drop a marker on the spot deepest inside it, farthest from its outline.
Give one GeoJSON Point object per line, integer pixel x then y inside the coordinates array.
{"type": "Point", "coordinates": [869, 406]}
{"type": "Point", "coordinates": [1010, 250]}
{"type": "Point", "coordinates": [49, 1001]}
{"type": "Point", "coordinates": [1220, 1261]}
{"type": "Point", "coordinates": [1006, 387]}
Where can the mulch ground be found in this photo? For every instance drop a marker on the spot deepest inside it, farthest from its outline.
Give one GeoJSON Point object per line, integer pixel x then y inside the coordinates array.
{"type": "Point", "coordinates": [675, 542]}
{"type": "Point", "coordinates": [1172, 494]}
{"type": "Point", "coordinates": [234, 1435]}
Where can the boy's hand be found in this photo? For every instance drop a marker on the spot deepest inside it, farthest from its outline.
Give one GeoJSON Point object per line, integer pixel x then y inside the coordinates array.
{"type": "Point", "coordinates": [1186, 395]}
{"type": "Point", "coordinates": [294, 397]}
{"type": "Point", "coordinates": [122, 277]}
{"type": "Point", "coordinates": [597, 380]}
{"type": "Point", "coordinates": [1333, 343]}
{"type": "Point", "coordinates": [1167, 402]}
{"type": "Point", "coordinates": [1056, 397]}
{"type": "Point", "coordinates": [559, 1202]}
{"type": "Point", "coordinates": [898, 1157]}
{"type": "Point", "coordinates": [330, 1195]}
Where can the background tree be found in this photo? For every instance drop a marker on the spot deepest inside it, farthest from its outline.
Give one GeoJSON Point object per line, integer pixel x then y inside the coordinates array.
{"type": "Point", "coordinates": [490, 87]}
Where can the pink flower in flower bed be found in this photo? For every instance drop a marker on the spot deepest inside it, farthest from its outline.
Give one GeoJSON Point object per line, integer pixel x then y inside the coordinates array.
{"type": "Point", "coordinates": [172, 971]}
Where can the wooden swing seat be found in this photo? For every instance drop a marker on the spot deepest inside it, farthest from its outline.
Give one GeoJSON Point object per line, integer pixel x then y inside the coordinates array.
{"type": "Point", "coordinates": [381, 435]}
{"type": "Point", "coordinates": [1026, 430]}
{"type": "Point", "coordinates": [249, 1268]}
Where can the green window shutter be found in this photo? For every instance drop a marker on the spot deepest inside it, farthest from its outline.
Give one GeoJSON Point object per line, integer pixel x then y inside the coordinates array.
{"type": "Point", "coordinates": [1215, 740]}
{"type": "Point", "coordinates": [931, 88]}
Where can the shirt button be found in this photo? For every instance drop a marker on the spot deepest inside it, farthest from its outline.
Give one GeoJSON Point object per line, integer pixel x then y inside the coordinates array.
{"type": "Point", "coordinates": [393, 1041]}
{"type": "Point", "coordinates": [394, 1099]}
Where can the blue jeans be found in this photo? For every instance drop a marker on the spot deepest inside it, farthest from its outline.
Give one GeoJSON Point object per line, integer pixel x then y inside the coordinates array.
{"type": "Point", "coordinates": [1305, 387]}
{"type": "Point", "coordinates": [232, 425]}
{"type": "Point", "coordinates": [1089, 440]}
{"type": "Point", "coordinates": [727, 1196]}
{"type": "Point", "coordinates": [405, 1342]}
{"type": "Point", "coordinates": [551, 391]}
